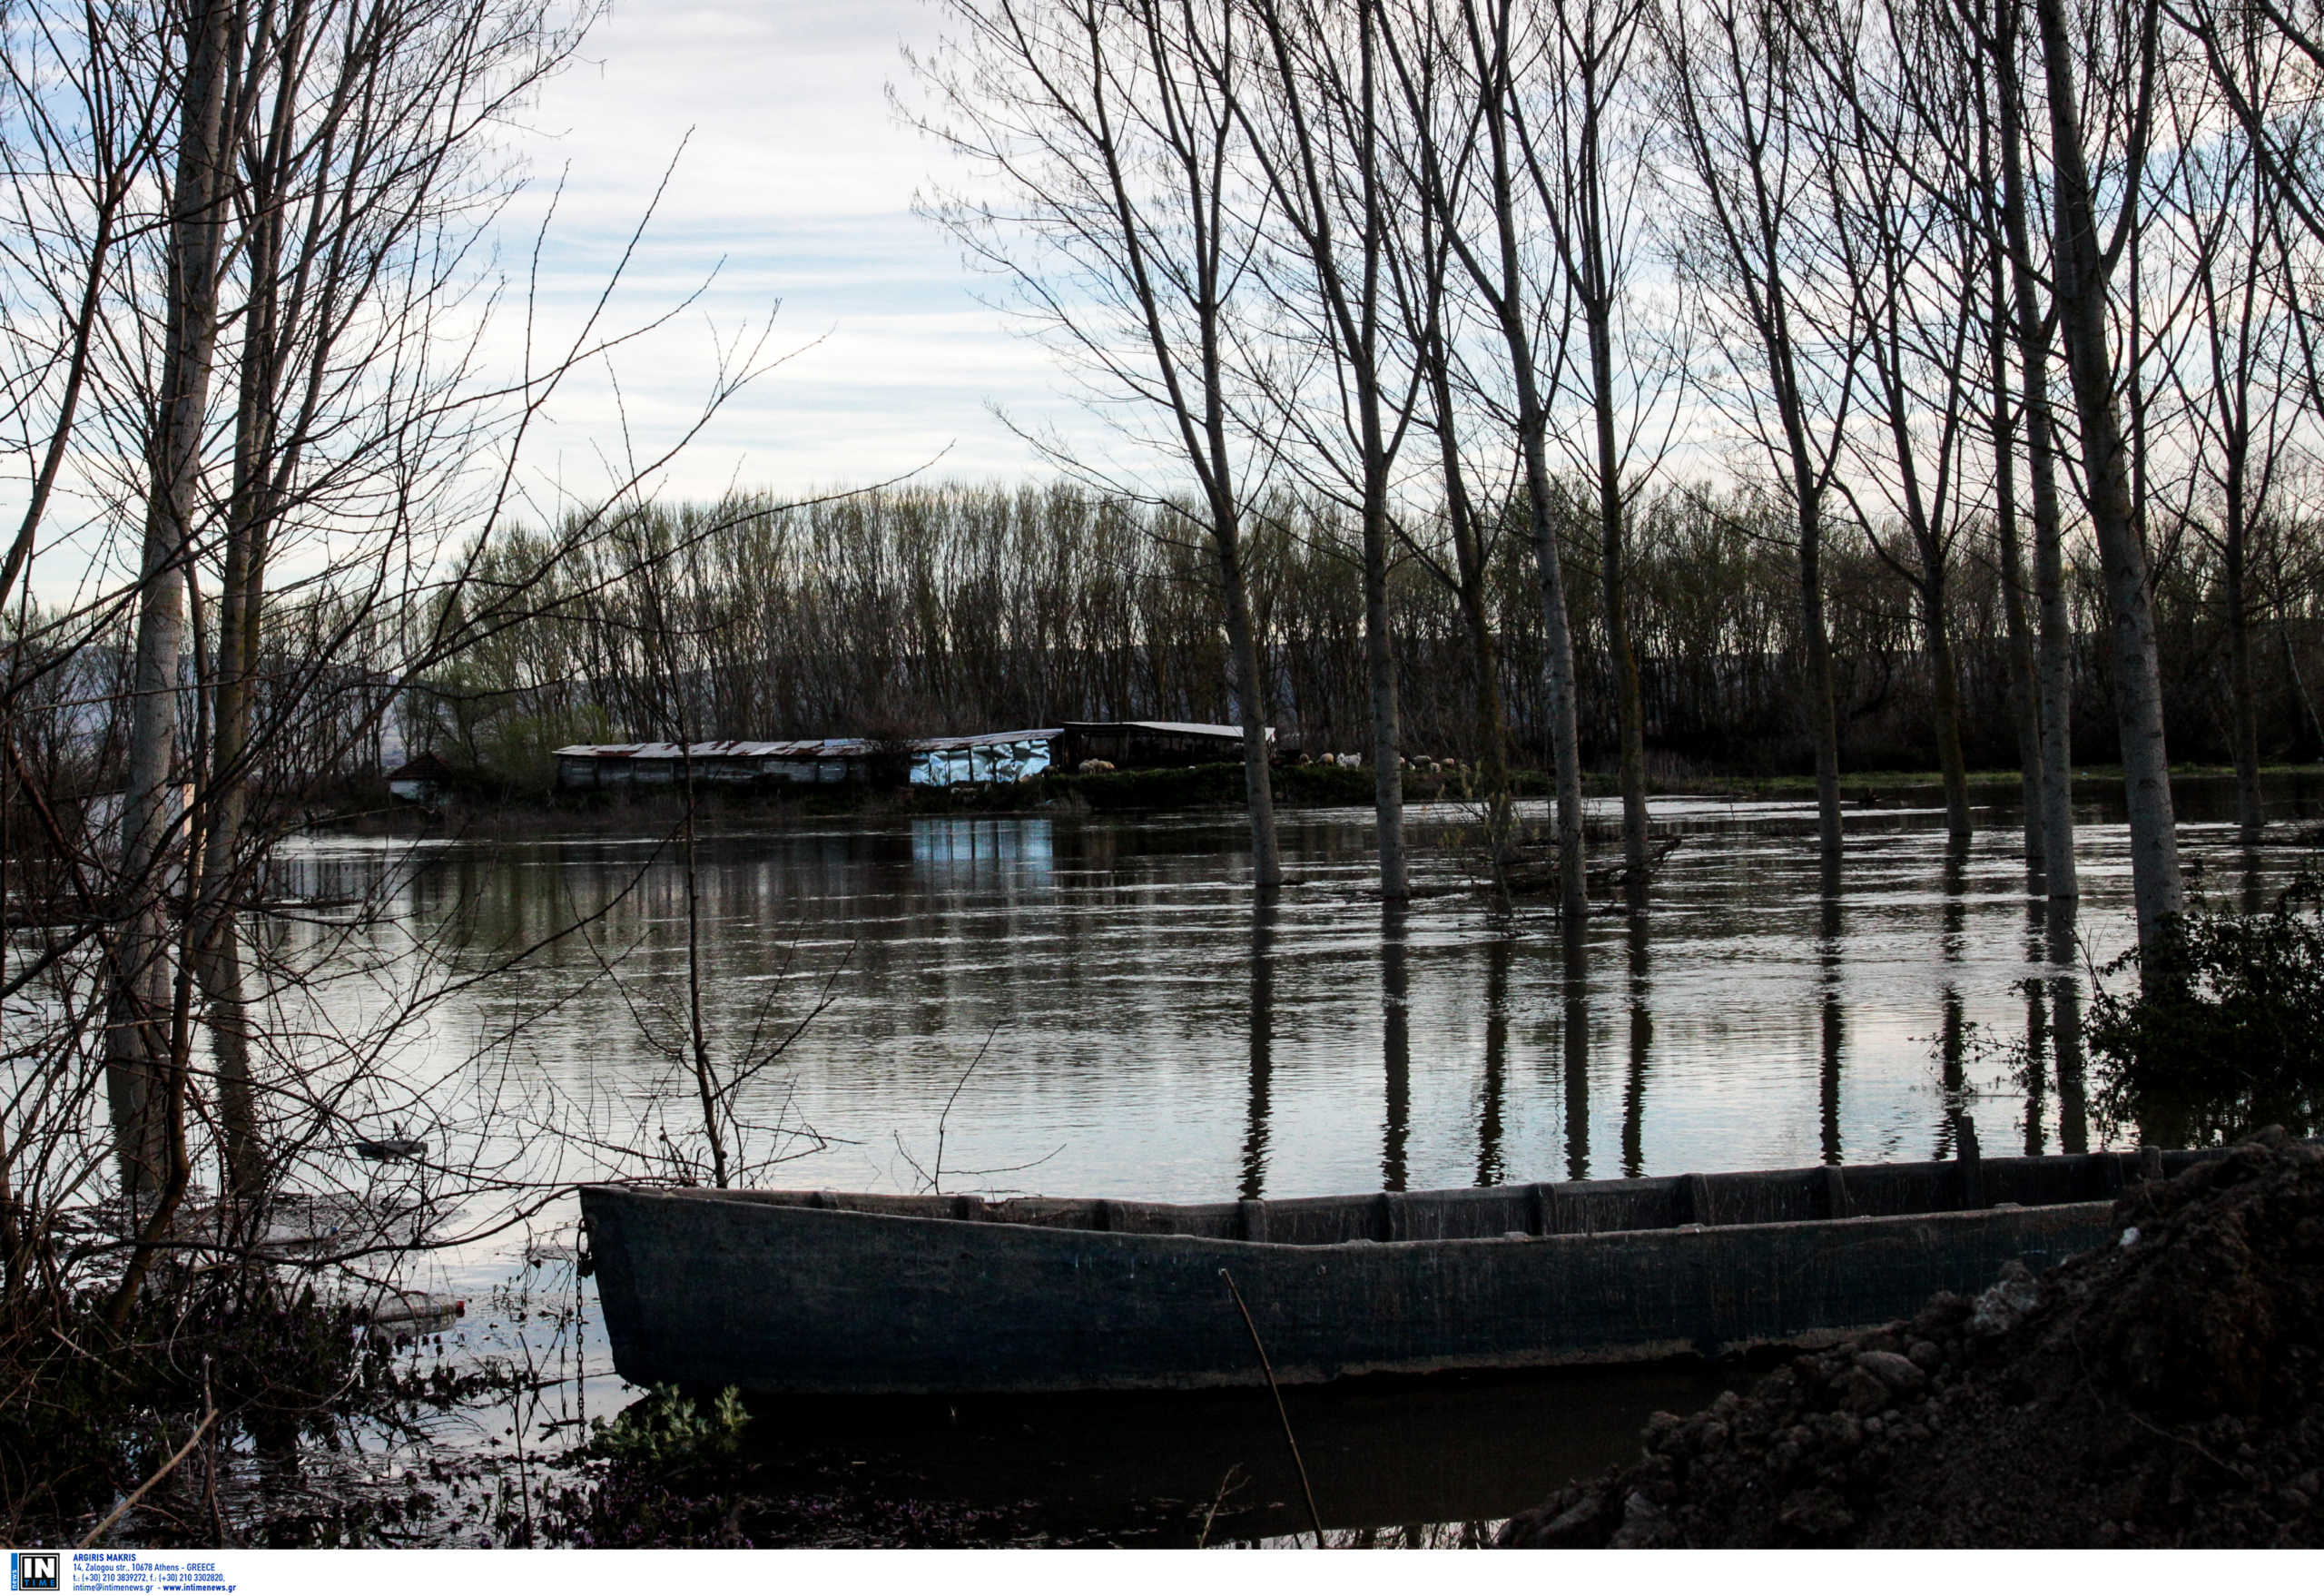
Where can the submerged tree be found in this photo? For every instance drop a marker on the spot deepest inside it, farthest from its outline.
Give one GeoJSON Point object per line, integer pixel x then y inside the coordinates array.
{"type": "Point", "coordinates": [1739, 91]}
{"type": "Point", "coordinates": [2001, 38]}
{"type": "Point", "coordinates": [1113, 129]}
{"type": "Point", "coordinates": [266, 411]}
{"type": "Point", "coordinates": [1316, 112]}
{"type": "Point", "coordinates": [2082, 262]}
{"type": "Point", "coordinates": [1478, 190]}
{"type": "Point", "coordinates": [1579, 116]}
{"type": "Point", "coordinates": [1911, 253]}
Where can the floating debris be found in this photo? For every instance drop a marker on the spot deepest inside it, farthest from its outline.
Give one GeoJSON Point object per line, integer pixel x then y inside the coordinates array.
{"type": "Point", "coordinates": [412, 1312]}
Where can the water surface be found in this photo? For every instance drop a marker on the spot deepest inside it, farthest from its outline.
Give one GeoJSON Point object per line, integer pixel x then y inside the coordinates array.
{"type": "Point", "coordinates": [1089, 1006]}
{"type": "Point", "coordinates": [1100, 1008]}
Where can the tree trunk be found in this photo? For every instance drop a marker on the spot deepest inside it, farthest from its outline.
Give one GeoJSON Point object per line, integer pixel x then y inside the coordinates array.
{"type": "Point", "coordinates": [2082, 274]}
{"type": "Point", "coordinates": [142, 1096]}
{"type": "Point", "coordinates": [1250, 705]}
{"type": "Point", "coordinates": [2055, 637]}
{"type": "Point", "coordinates": [1380, 664]}
{"type": "Point", "coordinates": [1557, 666]}
{"type": "Point", "coordinates": [1823, 709]}
{"type": "Point", "coordinates": [2251, 817]}
{"type": "Point", "coordinates": [1630, 714]}
{"type": "Point", "coordinates": [1945, 681]}
{"type": "Point", "coordinates": [1492, 719]}
{"type": "Point", "coordinates": [1822, 696]}
{"type": "Point", "coordinates": [1510, 306]}
{"type": "Point", "coordinates": [2025, 690]}
{"type": "Point", "coordinates": [1470, 556]}
{"type": "Point", "coordinates": [216, 937]}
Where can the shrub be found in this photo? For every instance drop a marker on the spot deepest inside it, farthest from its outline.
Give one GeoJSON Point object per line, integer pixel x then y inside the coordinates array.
{"type": "Point", "coordinates": [664, 1430]}
{"type": "Point", "coordinates": [2225, 1031]}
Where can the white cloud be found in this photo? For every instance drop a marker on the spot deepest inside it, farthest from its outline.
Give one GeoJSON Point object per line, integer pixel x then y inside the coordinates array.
{"type": "Point", "coordinates": [796, 184]}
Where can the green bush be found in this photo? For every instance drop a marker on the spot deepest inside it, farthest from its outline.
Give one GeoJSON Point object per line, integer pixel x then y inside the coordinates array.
{"type": "Point", "coordinates": [666, 1429]}
{"type": "Point", "coordinates": [2225, 1030]}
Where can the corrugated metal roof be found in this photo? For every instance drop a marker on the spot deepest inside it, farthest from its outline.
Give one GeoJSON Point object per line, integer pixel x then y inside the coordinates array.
{"type": "Point", "coordinates": [797, 748]}
{"type": "Point", "coordinates": [984, 739]}
{"type": "Point", "coordinates": [1176, 728]}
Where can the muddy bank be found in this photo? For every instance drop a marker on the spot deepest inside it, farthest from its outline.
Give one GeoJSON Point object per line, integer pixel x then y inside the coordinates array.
{"type": "Point", "coordinates": [2166, 1391]}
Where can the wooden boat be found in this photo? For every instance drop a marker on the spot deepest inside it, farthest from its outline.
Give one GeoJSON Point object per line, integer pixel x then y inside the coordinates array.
{"type": "Point", "coordinates": [844, 1294]}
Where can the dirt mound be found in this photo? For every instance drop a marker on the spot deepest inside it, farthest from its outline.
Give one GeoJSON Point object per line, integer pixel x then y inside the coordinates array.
{"type": "Point", "coordinates": [2168, 1391]}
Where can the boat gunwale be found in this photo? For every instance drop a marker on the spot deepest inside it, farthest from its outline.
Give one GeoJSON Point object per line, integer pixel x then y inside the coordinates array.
{"type": "Point", "coordinates": [1998, 1213]}
{"type": "Point", "coordinates": [1835, 1200]}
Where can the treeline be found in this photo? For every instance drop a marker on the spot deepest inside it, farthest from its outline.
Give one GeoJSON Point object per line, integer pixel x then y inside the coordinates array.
{"type": "Point", "coordinates": [950, 607]}
{"type": "Point", "coordinates": [2010, 300]}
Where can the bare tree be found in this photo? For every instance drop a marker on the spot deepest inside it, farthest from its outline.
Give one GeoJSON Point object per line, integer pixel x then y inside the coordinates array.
{"type": "Point", "coordinates": [1112, 126]}
{"type": "Point", "coordinates": [145, 1075]}
{"type": "Point", "coordinates": [354, 188]}
{"type": "Point", "coordinates": [2083, 260]}
{"type": "Point", "coordinates": [1911, 260]}
{"type": "Point", "coordinates": [2237, 389]}
{"type": "Point", "coordinates": [2027, 707]}
{"type": "Point", "coordinates": [1737, 89]}
{"type": "Point", "coordinates": [1316, 123]}
{"type": "Point", "coordinates": [1475, 53]}
{"type": "Point", "coordinates": [1585, 136]}
{"type": "Point", "coordinates": [318, 239]}
{"type": "Point", "coordinates": [2033, 321]}
{"type": "Point", "coordinates": [1464, 517]}
{"type": "Point", "coordinates": [1437, 158]}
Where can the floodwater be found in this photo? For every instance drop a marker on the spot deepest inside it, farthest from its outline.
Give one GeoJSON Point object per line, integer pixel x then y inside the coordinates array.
{"type": "Point", "coordinates": [1094, 1006]}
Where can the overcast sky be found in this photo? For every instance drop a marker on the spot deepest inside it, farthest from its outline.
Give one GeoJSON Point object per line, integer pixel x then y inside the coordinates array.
{"type": "Point", "coordinates": [793, 186]}
{"type": "Point", "coordinates": [798, 176]}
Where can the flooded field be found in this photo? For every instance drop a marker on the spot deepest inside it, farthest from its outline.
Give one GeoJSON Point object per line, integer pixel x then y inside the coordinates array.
{"type": "Point", "coordinates": [1093, 1006]}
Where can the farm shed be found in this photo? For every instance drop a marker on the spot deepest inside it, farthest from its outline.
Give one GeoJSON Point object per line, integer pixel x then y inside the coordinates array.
{"type": "Point", "coordinates": [989, 756]}
{"type": "Point", "coordinates": [924, 762]}
{"type": "Point", "coordinates": [1151, 744]}
{"type": "Point", "coordinates": [799, 761]}
{"type": "Point", "coordinates": [424, 780]}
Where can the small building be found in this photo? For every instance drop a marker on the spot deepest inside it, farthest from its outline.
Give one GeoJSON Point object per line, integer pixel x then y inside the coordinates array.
{"type": "Point", "coordinates": [423, 780]}
{"type": "Point", "coordinates": [979, 758]}
{"type": "Point", "coordinates": [989, 756]}
{"type": "Point", "coordinates": [797, 762]}
{"type": "Point", "coordinates": [922, 762]}
{"type": "Point", "coordinates": [1151, 744]}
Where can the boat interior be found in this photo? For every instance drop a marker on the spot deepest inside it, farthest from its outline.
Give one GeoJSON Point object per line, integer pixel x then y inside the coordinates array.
{"type": "Point", "coordinates": [1829, 1191]}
